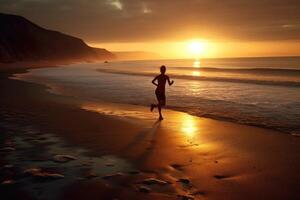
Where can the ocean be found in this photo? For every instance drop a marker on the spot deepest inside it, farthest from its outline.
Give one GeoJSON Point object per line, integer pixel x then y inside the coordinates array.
{"type": "Point", "coordinates": [262, 92]}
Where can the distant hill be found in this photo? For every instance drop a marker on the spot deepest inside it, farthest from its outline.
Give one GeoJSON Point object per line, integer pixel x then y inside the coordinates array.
{"type": "Point", "coordinates": [22, 40]}
{"type": "Point", "coordinates": [136, 55]}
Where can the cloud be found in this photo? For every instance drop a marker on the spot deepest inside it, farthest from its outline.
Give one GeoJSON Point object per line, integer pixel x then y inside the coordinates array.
{"type": "Point", "coordinates": [147, 20]}
{"type": "Point", "coordinates": [116, 4]}
{"type": "Point", "coordinates": [146, 9]}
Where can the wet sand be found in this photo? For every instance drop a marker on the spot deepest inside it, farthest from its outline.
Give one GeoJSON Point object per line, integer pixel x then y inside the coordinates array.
{"type": "Point", "coordinates": [55, 147]}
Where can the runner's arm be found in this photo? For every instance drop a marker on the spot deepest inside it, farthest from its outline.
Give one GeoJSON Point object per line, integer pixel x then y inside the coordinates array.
{"type": "Point", "coordinates": [170, 82]}
{"type": "Point", "coordinates": [153, 81]}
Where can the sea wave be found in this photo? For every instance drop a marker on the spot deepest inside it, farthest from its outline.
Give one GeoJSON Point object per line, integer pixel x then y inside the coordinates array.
{"type": "Point", "coordinates": [295, 72]}
{"type": "Point", "coordinates": [275, 107]}
{"type": "Point", "coordinates": [206, 78]}
{"type": "Point", "coordinates": [290, 125]}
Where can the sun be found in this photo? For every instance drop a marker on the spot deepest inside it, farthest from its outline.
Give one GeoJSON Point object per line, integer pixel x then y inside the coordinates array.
{"type": "Point", "coordinates": [195, 48]}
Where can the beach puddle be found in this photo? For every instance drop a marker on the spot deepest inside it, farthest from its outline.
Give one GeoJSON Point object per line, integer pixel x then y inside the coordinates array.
{"type": "Point", "coordinates": [43, 164]}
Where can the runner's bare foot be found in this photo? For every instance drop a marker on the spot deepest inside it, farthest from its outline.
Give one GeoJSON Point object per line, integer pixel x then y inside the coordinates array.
{"type": "Point", "coordinates": [152, 107]}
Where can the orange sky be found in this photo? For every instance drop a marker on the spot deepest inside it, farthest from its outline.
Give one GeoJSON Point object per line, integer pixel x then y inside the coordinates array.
{"type": "Point", "coordinates": [231, 28]}
{"type": "Point", "coordinates": [211, 49]}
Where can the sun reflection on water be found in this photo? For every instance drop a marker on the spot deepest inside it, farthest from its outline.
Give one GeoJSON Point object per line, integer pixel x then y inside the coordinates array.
{"type": "Point", "coordinates": [196, 73]}
{"type": "Point", "coordinates": [188, 126]}
{"type": "Point", "coordinates": [196, 64]}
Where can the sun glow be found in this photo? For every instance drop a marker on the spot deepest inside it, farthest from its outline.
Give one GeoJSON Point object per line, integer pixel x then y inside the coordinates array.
{"type": "Point", "coordinates": [196, 48]}
{"type": "Point", "coordinates": [204, 48]}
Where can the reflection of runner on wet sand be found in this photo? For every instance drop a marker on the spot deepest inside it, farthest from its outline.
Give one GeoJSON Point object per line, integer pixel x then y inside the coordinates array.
{"type": "Point", "coordinates": [160, 90]}
{"type": "Point", "coordinates": [142, 138]}
{"type": "Point", "coordinates": [152, 134]}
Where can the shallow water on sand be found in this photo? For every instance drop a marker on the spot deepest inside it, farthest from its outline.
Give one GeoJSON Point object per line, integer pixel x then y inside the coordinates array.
{"type": "Point", "coordinates": [34, 150]}
{"type": "Point", "coordinates": [260, 92]}
{"type": "Point", "coordinates": [26, 139]}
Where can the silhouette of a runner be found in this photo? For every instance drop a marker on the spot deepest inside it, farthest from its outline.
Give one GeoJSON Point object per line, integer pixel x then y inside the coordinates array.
{"type": "Point", "coordinates": [160, 90]}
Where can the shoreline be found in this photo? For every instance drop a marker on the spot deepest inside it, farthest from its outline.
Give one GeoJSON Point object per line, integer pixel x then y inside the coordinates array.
{"type": "Point", "coordinates": [196, 157]}
{"type": "Point", "coordinates": [57, 89]}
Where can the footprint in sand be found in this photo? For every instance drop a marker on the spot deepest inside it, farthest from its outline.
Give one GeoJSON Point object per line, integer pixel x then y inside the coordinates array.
{"type": "Point", "coordinates": [177, 167]}
{"type": "Point", "coordinates": [221, 176]}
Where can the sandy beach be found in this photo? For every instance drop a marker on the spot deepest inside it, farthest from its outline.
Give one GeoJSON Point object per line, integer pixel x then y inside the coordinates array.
{"type": "Point", "coordinates": [55, 147]}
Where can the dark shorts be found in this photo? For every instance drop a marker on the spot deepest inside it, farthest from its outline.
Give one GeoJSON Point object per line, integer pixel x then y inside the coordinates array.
{"type": "Point", "coordinates": [161, 97]}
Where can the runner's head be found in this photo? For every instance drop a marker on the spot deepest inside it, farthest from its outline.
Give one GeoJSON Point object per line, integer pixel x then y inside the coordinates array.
{"type": "Point", "coordinates": [163, 69]}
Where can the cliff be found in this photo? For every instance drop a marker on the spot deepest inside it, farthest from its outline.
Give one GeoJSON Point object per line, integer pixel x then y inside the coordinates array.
{"type": "Point", "coordinates": [22, 40]}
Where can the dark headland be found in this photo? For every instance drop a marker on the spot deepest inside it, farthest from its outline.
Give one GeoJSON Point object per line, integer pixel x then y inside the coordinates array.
{"type": "Point", "coordinates": [23, 41]}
